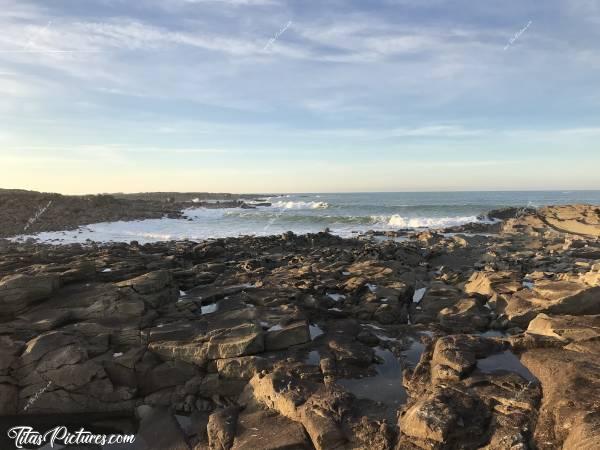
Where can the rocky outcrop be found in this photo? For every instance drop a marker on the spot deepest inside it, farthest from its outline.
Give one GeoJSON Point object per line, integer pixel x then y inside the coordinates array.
{"type": "Point", "coordinates": [552, 297]}
{"type": "Point", "coordinates": [438, 341]}
{"type": "Point", "coordinates": [19, 292]}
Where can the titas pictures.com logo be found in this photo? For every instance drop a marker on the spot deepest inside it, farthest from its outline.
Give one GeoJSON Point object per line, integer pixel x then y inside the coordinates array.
{"type": "Point", "coordinates": [27, 436]}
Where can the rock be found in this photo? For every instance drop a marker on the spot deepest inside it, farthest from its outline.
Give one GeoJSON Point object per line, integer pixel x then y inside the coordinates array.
{"type": "Point", "coordinates": [155, 288]}
{"type": "Point", "coordinates": [73, 377]}
{"type": "Point", "coordinates": [316, 407]}
{"type": "Point", "coordinates": [437, 297]}
{"type": "Point", "coordinates": [241, 340]}
{"type": "Point", "coordinates": [9, 351]}
{"type": "Point", "coordinates": [243, 368]}
{"type": "Point", "coordinates": [158, 431]}
{"type": "Point", "coordinates": [566, 328]}
{"type": "Point", "coordinates": [283, 337]}
{"type": "Point", "coordinates": [570, 381]}
{"type": "Point", "coordinates": [18, 292]}
{"type": "Point", "coordinates": [351, 352]}
{"type": "Point", "coordinates": [552, 297]}
{"type": "Point", "coordinates": [9, 399]}
{"type": "Point", "coordinates": [267, 430]}
{"type": "Point", "coordinates": [455, 356]}
{"type": "Point", "coordinates": [45, 343]}
{"type": "Point", "coordinates": [389, 314]}
{"type": "Point", "coordinates": [576, 219]}
{"type": "Point", "coordinates": [446, 417]}
{"type": "Point", "coordinates": [174, 331]}
{"type": "Point", "coordinates": [465, 315]}
{"type": "Point", "coordinates": [221, 428]}
{"type": "Point", "coordinates": [168, 374]}
{"type": "Point", "coordinates": [490, 284]}
{"type": "Point", "coordinates": [114, 334]}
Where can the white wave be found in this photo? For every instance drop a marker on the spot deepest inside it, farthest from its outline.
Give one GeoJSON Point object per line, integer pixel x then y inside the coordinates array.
{"type": "Point", "coordinates": [300, 205]}
{"type": "Point", "coordinates": [423, 222]}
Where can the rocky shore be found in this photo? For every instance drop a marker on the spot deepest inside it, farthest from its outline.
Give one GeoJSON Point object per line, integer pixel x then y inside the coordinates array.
{"type": "Point", "coordinates": [447, 340]}
{"type": "Point", "coordinates": [28, 212]}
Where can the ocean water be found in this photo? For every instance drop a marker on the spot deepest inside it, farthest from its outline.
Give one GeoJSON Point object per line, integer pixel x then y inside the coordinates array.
{"type": "Point", "coordinates": [344, 214]}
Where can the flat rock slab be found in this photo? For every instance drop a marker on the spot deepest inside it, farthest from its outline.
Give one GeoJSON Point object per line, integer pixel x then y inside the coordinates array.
{"type": "Point", "coordinates": [267, 430]}
{"type": "Point", "coordinates": [242, 340]}
{"type": "Point", "coordinates": [316, 407]}
{"type": "Point", "coordinates": [280, 338]}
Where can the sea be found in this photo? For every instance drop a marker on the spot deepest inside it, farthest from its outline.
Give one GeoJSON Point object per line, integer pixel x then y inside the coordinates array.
{"type": "Point", "coordinates": [344, 214]}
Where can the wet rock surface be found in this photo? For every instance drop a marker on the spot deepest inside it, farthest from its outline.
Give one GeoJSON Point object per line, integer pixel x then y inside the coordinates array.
{"type": "Point", "coordinates": [296, 342]}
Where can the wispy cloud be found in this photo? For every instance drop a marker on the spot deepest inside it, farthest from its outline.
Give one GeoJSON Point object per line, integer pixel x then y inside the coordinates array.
{"type": "Point", "coordinates": [191, 79]}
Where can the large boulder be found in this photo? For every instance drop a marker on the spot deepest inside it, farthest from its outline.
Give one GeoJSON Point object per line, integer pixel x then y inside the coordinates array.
{"type": "Point", "coordinates": [575, 219]}
{"type": "Point", "coordinates": [221, 428]}
{"type": "Point", "coordinates": [18, 292]}
{"type": "Point", "coordinates": [552, 297]}
{"type": "Point", "coordinates": [154, 288]}
{"type": "Point", "coordinates": [318, 408]}
{"type": "Point", "coordinates": [159, 430]}
{"type": "Point", "coordinates": [493, 283]}
{"type": "Point", "coordinates": [570, 381]}
{"type": "Point", "coordinates": [446, 416]}
{"type": "Point", "coordinates": [282, 337]}
{"type": "Point", "coordinates": [466, 315]}
{"type": "Point", "coordinates": [268, 430]}
{"type": "Point", "coordinates": [566, 328]}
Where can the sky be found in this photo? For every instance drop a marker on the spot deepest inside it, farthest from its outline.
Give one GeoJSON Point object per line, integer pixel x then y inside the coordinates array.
{"type": "Point", "coordinates": [299, 96]}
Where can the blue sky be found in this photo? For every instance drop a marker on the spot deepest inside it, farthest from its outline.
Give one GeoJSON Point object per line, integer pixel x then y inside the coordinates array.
{"type": "Point", "coordinates": [299, 96]}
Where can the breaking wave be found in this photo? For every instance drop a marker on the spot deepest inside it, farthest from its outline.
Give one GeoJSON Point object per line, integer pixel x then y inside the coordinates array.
{"type": "Point", "coordinates": [426, 222]}
{"type": "Point", "coordinates": [300, 205]}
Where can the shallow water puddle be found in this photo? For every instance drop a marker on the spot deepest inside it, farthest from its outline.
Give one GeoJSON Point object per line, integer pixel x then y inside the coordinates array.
{"type": "Point", "coordinates": [412, 355]}
{"type": "Point", "coordinates": [385, 387]}
{"type": "Point", "coordinates": [528, 284]}
{"type": "Point", "coordinates": [185, 422]}
{"type": "Point", "coordinates": [315, 331]}
{"type": "Point", "coordinates": [506, 361]}
{"type": "Point", "coordinates": [493, 333]}
{"type": "Point", "coordinates": [313, 358]}
{"type": "Point", "coordinates": [419, 294]}
{"type": "Point", "coordinates": [208, 309]}
{"type": "Point", "coordinates": [370, 325]}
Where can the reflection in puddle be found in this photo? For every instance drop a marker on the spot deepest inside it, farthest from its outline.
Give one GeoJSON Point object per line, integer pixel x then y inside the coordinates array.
{"type": "Point", "coordinates": [315, 331]}
{"type": "Point", "coordinates": [418, 295]}
{"type": "Point", "coordinates": [493, 333]}
{"type": "Point", "coordinates": [528, 284]}
{"type": "Point", "coordinates": [208, 309]}
{"type": "Point", "coordinates": [313, 358]}
{"type": "Point", "coordinates": [370, 325]}
{"type": "Point", "coordinates": [413, 354]}
{"type": "Point", "coordinates": [504, 362]}
{"type": "Point", "coordinates": [385, 387]}
{"type": "Point", "coordinates": [336, 297]}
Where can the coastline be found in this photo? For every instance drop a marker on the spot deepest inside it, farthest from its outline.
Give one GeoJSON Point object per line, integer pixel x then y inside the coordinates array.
{"type": "Point", "coordinates": [240, 341]}
{"type": "Point", "coordinates": [22, 211]}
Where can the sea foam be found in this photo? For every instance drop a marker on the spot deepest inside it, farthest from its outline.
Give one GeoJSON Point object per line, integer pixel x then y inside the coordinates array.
{"type": "Point", "coordinates": [300, 205]}
{"type": "Point", "coordinates": [423, 222]}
